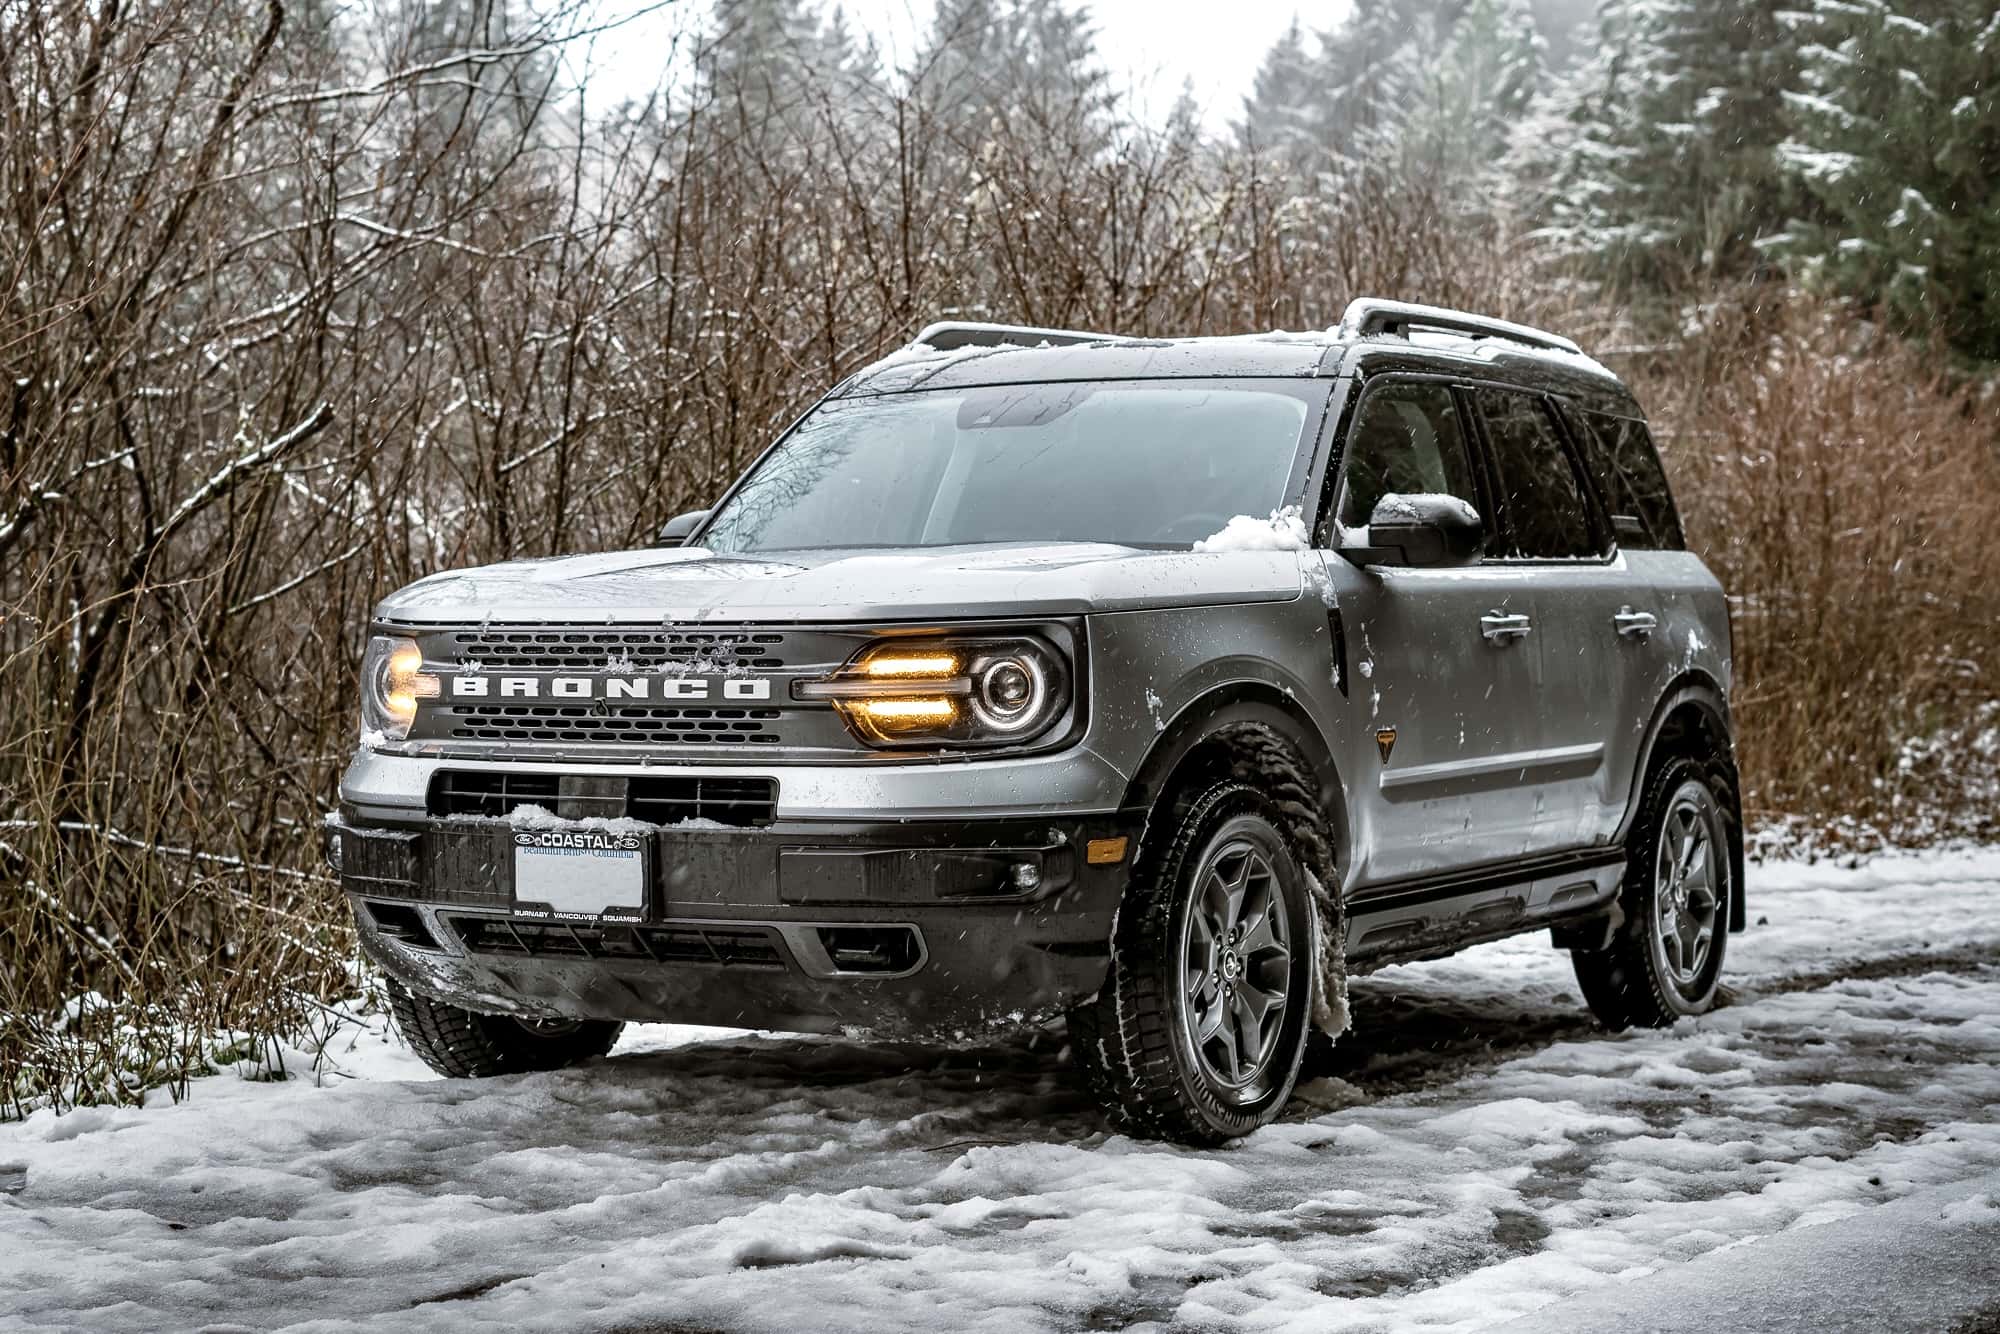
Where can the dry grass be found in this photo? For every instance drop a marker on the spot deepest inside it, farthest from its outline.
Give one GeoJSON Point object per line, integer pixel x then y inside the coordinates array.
{"type": "Point", "coordinates": [1845, 488]}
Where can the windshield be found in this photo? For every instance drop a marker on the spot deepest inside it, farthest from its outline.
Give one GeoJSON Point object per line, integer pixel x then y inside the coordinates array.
{"type": "Point", "coordinates": [1154, 464]}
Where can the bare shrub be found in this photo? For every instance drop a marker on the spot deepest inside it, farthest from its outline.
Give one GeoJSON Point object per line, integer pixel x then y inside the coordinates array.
{"type": "Point", "coordinates": [1844, 486]}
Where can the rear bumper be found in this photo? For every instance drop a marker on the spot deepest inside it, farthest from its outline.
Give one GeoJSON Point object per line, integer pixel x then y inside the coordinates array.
{"type": "Point", "coordinates": [901, 928]}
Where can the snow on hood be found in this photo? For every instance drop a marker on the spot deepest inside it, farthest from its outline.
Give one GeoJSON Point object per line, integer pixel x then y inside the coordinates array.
{"type": "Point", "coordinates": [682, 584]}
{"type": "Point", "coordinates": [1283, 531]}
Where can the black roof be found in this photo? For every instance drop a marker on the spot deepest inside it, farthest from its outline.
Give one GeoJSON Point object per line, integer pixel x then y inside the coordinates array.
{"type": "Point", "coordinates": [1300, 356]}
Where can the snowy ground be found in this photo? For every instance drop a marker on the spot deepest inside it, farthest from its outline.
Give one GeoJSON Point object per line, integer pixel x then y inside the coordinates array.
{"type": "Point", "coordinates": [1478, 1152]}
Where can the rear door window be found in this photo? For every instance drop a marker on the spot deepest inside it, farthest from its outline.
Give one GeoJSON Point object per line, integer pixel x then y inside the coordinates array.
{"type": "Point", "coordinates": [1548, 514]}
{"type": "Point", "coordinates": [1633, 485]}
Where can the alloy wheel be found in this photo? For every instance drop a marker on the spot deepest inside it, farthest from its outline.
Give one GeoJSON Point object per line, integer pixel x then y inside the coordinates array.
{"type": "Point", "coordinates": [1236, 953]}
{"type": "Point", "coordinates": [1688, 879]}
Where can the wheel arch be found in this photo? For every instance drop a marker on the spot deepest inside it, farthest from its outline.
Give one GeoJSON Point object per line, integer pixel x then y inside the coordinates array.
{"type": "Point", "coordinates": [1692, 718]}
{"type": "Point", "coordinates": [1194, 742]}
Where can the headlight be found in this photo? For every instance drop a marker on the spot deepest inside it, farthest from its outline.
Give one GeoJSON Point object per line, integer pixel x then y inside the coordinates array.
{"type": "Point", "coordinates": [392, 681]}
{"type": "Point", "coordinates": [963, 692]}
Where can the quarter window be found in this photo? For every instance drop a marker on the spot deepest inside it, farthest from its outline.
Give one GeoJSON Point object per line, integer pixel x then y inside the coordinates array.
{"type": "Point", "coordinates": [1406, 440]}
{"type": "Point", "coordinates": [1627, 471]}
{"type": "Point", "coordinates": [1543, 495]}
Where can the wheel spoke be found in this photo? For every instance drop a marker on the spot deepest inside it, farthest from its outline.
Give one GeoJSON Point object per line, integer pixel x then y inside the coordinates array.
{"type": "Point", "coordinates": [1226, 1034]}
{"type": "Point", "coordinates": [1201, 930]}
{"type": "Point", "coordinates": [1685, 842]}
{"type": "Point", "coordinates": [1201, 987]}
{"type": "Point", "coordinates": [1670, 939]}
{"type": "Point", "coordinates": [1261, 1004]}
{"type": "Point", "coordinates": [1704, 937]}
{"type": "Point", "coordinates": [1261, 936]}
{"type": "Point", "coordinates": [1248, 1016]}
{"type": "Point", "coordinates": [1232, 896]}
{"type": "Point", "coordinates": [1211, 1021]}
{"type": "Point", "coordinates": [1697, 859]}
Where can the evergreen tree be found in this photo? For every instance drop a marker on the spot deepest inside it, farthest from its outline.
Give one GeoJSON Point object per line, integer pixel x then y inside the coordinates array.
{"type": "Point", "coordinates": [780, 66]}
{"type": "Point", "coordinates": [1895, 135]}
{"type": "Point", "coordinates": [1463, 102]}
{"type": "Point", "coordinates": [986, 63]}
{"type": "Point", "coordinates": [1278, 115]}
{"type": "Point", "coordinates": [1425, 86]}
{"type": "Point", "coordinates": [1667, 169]}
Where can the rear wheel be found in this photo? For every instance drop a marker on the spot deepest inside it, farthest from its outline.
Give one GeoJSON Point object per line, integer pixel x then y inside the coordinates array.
{"type": "Point", "coordinates": [1664, 961]}
{"type": "Point", "coordinates": [1197, 1033]}
{"type": "Point", "coordinates": [468, 1045]}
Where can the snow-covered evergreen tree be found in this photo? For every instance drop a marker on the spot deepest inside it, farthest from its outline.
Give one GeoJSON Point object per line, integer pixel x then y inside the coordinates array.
{"type": "Point", "coordinates": [1426, 87]}
{"type": "Point", "coordinates": [1462, 104]}
{"type": "Point", "coordinates": [987, 63]}
{"type": "Point", "coordinates": [1895, 135]}
{"type": "Point", "coordinates": [1666, 168]}
{"type": "Point", "coordinates": [780, 66]}
{"type": "Point", "coordinates": [1279, 115]}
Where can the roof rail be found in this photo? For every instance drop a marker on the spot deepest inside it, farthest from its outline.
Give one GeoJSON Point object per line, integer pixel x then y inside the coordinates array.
{"type": "Point", "coordinates": [949, 335]}
{"type": "Point", "coordinates": [1370, 315]}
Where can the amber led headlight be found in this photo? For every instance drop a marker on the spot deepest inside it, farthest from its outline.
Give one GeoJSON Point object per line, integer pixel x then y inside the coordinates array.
{"type": "Point", "coordinates": [392, 681]}
{"type": "Point", "coordinates": [963, 692]}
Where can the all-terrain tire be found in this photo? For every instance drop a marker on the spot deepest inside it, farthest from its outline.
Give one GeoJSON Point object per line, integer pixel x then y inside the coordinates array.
{"type": "Point", "coordinates": [1632, 980]}
{"type": "Point", "coordinates": [465, 1044]}
{"type": "Point", "coordinates": [1136, 1040]}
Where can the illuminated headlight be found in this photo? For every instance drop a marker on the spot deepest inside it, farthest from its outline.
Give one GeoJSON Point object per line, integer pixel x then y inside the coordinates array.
{"type": "Point", "coordinates": [965, 692]}
{"type": "Point", "coordinates": [392, 681]}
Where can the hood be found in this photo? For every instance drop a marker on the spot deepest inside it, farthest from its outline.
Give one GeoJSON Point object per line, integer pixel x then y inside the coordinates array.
{"type": "Point", "coordinates": [923, 584]}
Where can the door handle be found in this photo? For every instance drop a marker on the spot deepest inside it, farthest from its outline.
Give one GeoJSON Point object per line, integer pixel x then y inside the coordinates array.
{"type": "Point", "coordinates": [1635, 624]}
{"type": "Point", "coordinates": [1499, 627]}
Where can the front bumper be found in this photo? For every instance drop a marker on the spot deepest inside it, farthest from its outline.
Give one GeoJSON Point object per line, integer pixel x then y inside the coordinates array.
{"type": "Point", "coordinates": [902, 928]}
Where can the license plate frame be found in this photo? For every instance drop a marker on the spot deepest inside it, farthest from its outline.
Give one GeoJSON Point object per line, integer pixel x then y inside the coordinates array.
{"type": "Point", "coordinates": [581, 875]}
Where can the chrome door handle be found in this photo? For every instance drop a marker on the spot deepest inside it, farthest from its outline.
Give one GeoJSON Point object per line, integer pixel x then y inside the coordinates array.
{"type": "Point", "coordinates": [1500, 626]}
{"type": "Point", "coordinates": [1636, 624]}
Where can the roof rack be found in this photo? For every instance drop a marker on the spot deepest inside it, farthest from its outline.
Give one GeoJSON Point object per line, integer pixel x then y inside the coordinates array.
{"type": "Point", "coordinates": [1371, 315]}
{"type": "Point", "coordinates": [949, 335]}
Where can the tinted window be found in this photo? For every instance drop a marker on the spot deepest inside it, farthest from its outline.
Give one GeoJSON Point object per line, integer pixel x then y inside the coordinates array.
{"type": "Point", "coordinates": [1627, 471]}
{"type": "Point", "coordinates": [1405, 440]}
{"type": "Point", "coordinates": [1545, 504]}
{"type": "Point", "coordinates": [1148, 465]}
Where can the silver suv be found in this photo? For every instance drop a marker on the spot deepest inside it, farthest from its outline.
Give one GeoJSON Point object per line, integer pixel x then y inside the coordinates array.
{"type": "Point", "coordinates": [1033, 675]}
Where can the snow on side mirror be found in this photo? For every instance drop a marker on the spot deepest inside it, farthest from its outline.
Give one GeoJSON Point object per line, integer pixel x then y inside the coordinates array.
{"type": "Point", "coordinates": [1421, 530]}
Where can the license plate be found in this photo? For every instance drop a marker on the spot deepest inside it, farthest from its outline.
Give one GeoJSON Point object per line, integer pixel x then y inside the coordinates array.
{"type": "Point", "coordinates": [579, 873]}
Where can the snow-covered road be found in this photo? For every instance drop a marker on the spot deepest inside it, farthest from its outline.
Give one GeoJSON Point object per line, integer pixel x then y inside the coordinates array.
{"type": "Point", "coordinates": [1477, 1152]}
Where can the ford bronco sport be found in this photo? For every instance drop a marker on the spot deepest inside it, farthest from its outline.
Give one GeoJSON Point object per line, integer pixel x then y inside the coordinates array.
{"type": "Point", "coordinates": [977, 703]}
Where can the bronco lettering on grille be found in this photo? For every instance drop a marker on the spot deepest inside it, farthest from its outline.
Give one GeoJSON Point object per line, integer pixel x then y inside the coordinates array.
{"type": "Point", "coordinates": [673, 689]}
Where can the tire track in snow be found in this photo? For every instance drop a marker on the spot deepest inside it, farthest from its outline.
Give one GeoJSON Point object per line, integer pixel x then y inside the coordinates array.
{"type": "Point", "coordinates": [1489, 1148]}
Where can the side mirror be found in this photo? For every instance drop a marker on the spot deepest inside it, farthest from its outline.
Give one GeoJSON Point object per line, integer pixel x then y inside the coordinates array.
{"type": "Point", "coordinates": [675, 532]}
{"type": "Point", "coordinates": [1420, 530]}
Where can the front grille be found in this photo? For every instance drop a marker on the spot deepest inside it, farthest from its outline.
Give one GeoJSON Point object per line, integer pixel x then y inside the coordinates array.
{"type": "Point", "coordinates": [730, 801]}
{"type": "Point", "coordinates": [624, 725]}
{"type": "Point", "coordinates": [657, 799]}
{"type": "Point", "coordinates": [494, 793]}
{"type": "Point", "coordinates": [594, 725]}
{"type": "Point", "coordinates": [575, 648]}
{"type": "Point", "coordinates": [746, 947]}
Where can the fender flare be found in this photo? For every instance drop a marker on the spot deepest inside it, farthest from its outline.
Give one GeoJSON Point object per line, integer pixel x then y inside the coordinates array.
{"type": "Point", "coordinates": [1699, 690]}
{"type": "Point", "coordinates": [1245, 701]}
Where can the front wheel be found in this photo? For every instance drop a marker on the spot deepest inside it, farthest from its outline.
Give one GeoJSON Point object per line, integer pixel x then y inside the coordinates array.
{"type": "Point", "coordinates": [1197, 1033]}
{"type": "Point", "coordinates": [465, 1044]}
{"type": "Point", "coordinates": [1664, 962]}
